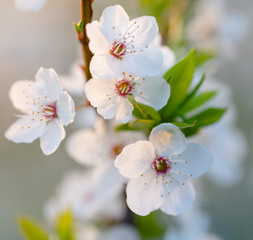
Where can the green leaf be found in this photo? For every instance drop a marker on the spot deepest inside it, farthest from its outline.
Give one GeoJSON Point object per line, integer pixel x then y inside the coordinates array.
{"type": "Point", "coordinates": [32, 230]}
{"type": "Point", "coordinates": [64, 226]}
{"type": "Point", "coordinates": [180, 77]}
{"type": "Point", "coordinates": [183, 125]}
{"type": "Point", "coordinates": [142, 111]}
{"type": "Point", "coordinates": [197, 101]}
{"type": "Point", "coordinates": [79, 26]}
{"type": "Point", "coordinates": [140, 124]}
{"type": "Point", "coordinates": [207, 117]}
{"type": "Point", "coordinates": [203, 57]}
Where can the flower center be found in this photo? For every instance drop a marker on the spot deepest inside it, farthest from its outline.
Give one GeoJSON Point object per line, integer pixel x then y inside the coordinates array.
{"type": "Point", "coordinates": [49, 112]}
{"type": "Point", "coordinates": [161, 165]}
{"type": "Point", "coordinates": [118, 49]}
{"type": "Point", "coordinates": [116, 150]}
{"type": "Point", "coordinates": [123, 87]}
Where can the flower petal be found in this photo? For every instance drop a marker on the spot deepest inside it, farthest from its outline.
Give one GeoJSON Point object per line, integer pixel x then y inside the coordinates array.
{"type": "Point", "coordinates": [195, 160]}
{"type": "Point", "coordinates": [22, 94]}
{"type": "Point", "coordinates": [135, 159]}
{"type": "Point", "coordinates": [65, 108]}
{"type": "Point", "coordinates": [154, 92]}
{"type": "Point", "coordinates": [124, 110]}
{"type": "Point", "coordinates": [144, 194]}
{"type": "Point", "coordinates": [87, 147]}
{"type": "Point", "coordinates": [25, 130]}
{"type": "Point", "coordinates": [169, 59]}
{"type": "Point", "coordinates": [48, 82]}
{"type": "Point", "coordinates": [180, 200]}
{"type": "Point", "coordinates": [53, 135]}
{"type": "Point", "coordinates": [145, 30]}
{"type": "Point", "coordinates": [167, 139]}
{"type": "Point", "coordinates": [105, 66]}
{"type": "Point", "coordinates": [114, 21]}
{"type": "Point", "coordinates": [101, 94]}
{"type": "Point", "coordinates": [148, 62]}
{"type": "Point", "coordinates": [98, 43]}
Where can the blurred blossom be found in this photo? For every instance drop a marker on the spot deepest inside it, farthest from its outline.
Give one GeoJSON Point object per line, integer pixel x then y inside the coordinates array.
{"type": "Point", "coordinates": [225, 141]}
{"type": "Point", "coordinates": [193, 225]}
{"type": "Point", "coordinates": [74, 83]}
{"type": "Point", "coordinates": [118, 232]}
{"type": "Point", "coordinates": [214, 29]}
{"type": "Point", "coordinates": [87, 194]}
{"type": "Point", "coordinates": [30, 5]}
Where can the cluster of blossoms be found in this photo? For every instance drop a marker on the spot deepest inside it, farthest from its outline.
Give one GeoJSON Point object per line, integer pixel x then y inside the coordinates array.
{"type": "Point", "coordinates": [155, 169]}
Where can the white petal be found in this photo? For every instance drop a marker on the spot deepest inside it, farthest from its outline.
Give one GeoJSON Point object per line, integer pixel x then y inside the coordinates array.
{"type": "Point", "coordinates": [30, 5]}
{"type": "Point", "coordinates": [114, 21]}
{"type": "Point", "coordinates": [101, 94]}
{"type": "Point", "coordinates": [105, 66]}
{"type": "Point", "coordinates": [154, 92]}
{"type": "Point", "coordinates": [22, 94]}
{"type": "Point", "coordinates": [195, 160]}
{"type": "Point", "coordinates": [87, 147]}
{"type": "Point", "coordinates": [73, 83]}
{"type": "Point", "coordinates": [135, 159]}
{"type": "Point", "coordinates": [25, 130]}
{"type": "Point", "coordinates": [180, 200]}
{"type": "Point", "coordinates": [53, 135]}
{"type": "Point", "coordinates": [124, 110]}
{"type": "Point", "coordinates": [169, 59]}
{"type": "Point", "coordinates": [145, 31]}
{"type": "Point", "coordinates": [98, 43]}
{"type": "Point", "coordinates": [48, 82]}
{"type": "Point", "coordinates": [167, 139]}
{"type": "Point", "coordinates": [65, 108]}
{"type": "Point", "coordinates": [148, 62]}
{"type": "Point", "coordinates": [144, 194]}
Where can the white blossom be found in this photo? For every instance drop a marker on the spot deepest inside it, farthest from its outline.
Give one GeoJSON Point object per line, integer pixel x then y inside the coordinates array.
{"type": "Point", "coordinates": [44, 109]}
{"type": "Point", "coordinates": [30, 5]}
{"type": "Point", "coordinates": [159, 171]}
{"type": "Point", "coordinates": [110, 96]}
{"type": "Point", "coordinates": [123, 45]}
{"type": "Point", "coordinates": [87, 194]}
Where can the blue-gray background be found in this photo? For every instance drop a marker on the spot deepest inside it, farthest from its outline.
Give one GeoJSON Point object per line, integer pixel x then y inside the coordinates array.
{"type": "Point", "coordinates": [47, 38]}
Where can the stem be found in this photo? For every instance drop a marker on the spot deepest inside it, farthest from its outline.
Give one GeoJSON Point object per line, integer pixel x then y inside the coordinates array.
{"type": "Point", "coordinates": [86, 16]}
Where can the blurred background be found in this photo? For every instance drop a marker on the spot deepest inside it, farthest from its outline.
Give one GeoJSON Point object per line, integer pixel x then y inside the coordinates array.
{"type": "Point", "coordinates": [47, 38]}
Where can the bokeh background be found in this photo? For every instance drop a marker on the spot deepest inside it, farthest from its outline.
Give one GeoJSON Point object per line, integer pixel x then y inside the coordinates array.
{"type": "Point", "coordinates": [29, 40]}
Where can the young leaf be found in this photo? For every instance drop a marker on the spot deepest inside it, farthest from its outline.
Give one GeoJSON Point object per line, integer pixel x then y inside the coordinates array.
{"type": "Point", "coordinates": [142, 111]}
{"type": "Point", "coordinates": [197, 101]}
{"type": "Point", "coordinates": [208, 116]}
{"type": "Point", "coordinates": [140, 124]}
{"type": "Point", "coordinates": [180, 79]}
{"type": "Point", "coordinates": [64, 226]}
{"type": "Point", "coordinates": [183, 125]}
{"type": "Point", "coordinates": [32, 230]}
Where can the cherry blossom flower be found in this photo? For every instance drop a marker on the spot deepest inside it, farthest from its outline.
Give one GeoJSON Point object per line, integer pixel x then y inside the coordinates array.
{"type": "Point", "coordinates": [30, 5]}
{"type": "Point", "coordinates": [120, 45]}
{"type": "Point", "coordinates": [110, 96]}
{"type": "Point", "coordinates": [91, 147]}
{"type": "Point", "coordinates": [159, 171]}
{"type": "Point", "coordinates": [44, 109]}
{"type": "Point", "coordinates": [88, 195]}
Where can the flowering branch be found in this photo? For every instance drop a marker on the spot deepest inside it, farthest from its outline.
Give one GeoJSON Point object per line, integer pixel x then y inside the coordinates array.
{"type": "Point", "coordinates": [86, 16]}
